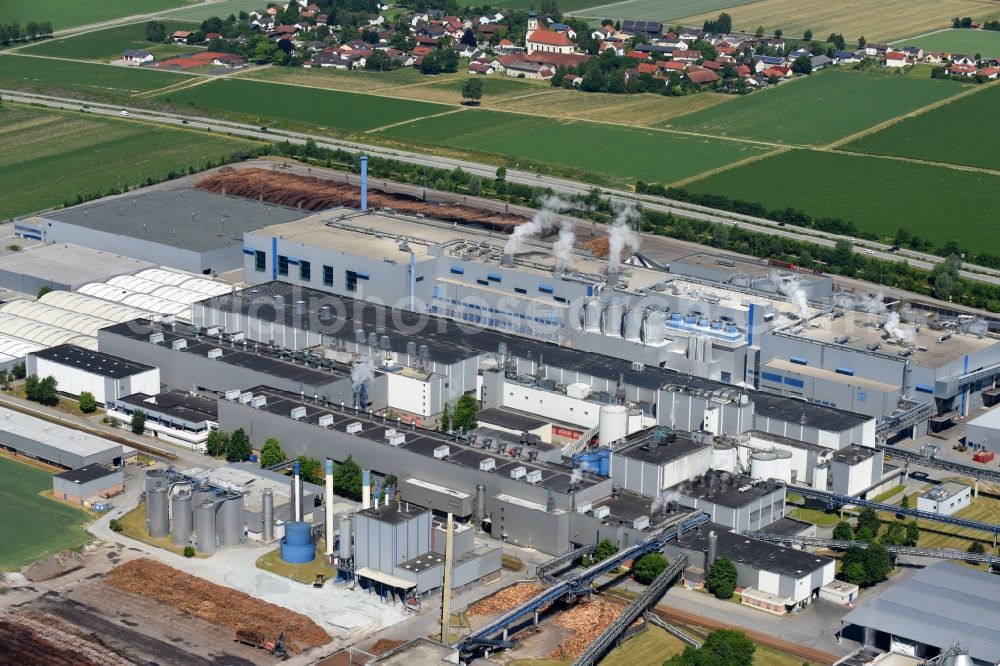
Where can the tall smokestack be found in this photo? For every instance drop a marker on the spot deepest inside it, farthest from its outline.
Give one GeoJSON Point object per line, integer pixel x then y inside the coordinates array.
{"type": "Point", "coordinates": [446, 598]}
{"type": "Point", "coordinates": [328, 504]}
{"type": "Point", "coordinates": [366, 489]}
{"type": "Point", "coordinates": [364, 182]}
{"type": "Point", "coordinates": [713, 545]}
{"type": "Point", "coordinates": [296, 494]}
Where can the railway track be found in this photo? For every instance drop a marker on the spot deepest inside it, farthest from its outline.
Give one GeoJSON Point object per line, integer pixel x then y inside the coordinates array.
{"type": "Point", "coordinates": [687, 619]}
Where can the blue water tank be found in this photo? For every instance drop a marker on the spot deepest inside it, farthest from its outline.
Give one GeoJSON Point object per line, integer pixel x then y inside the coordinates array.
{"type": "Point", "coordinates": [716, 325]}
{"type": "Point", "coordinates": [297, 533]}
{"type": "Point", "coordinates": [675, 316]}
{"type": "Point", "coordinates": [253, 457]}
{"type": "Point", "coordinates": [297, 546]}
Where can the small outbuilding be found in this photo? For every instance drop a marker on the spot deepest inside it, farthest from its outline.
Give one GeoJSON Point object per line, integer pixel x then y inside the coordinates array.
{"type": "Point", "coordinates": [77, 486]}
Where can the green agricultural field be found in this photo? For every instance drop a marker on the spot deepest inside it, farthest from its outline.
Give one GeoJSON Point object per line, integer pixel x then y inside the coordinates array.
{"type": "Point", "coordinates": [200, 11]}
{"type": "Point", "coordinates": [50, 157]}
{"type": "Point", "coordinates": [350, 80]}
{"type": "Point", "coordinates": [565, 6]}
{"type": "Point", "coordinates": [34, 526]}
{"type": "Point", "coordinates": [69, 13]}
{"type": "Point", "coordinates": [322, 109]}
{"type": "Point", "coordinates": [532, 140]}
{"type": "Point", "coordinates": [654, 10]}
{"type": "Point", "coordinates": [954, 133]}
{"type": "Point", "coordinates": [47, 74]}
{"type": "Point", "coordinates": [104, 45]}
{"type": "Point", "coordinates": [818, 109]}
{"type": "Point", "coordinates": [986, 42]}
{"type": "Point", "coordinates": [878, 195]}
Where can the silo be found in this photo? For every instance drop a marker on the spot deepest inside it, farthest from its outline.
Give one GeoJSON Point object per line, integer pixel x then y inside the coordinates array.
{"type": "Point", "coordinates": [724, 458]}
{"type": "Point", "coordinates": [204, 525]}
{"type": "Point", "coordinates": [782, 466]}
{"type": "Point", "coordinates": [763, 465]}
{"type": "Point", "coordinates": [229, 520]}
{"type": "Point", "coordinates": [480, 514]}
{"type": "Point", "coordinates": [156, 512]}
{"type": "Point", "coordinates": [654, 327]}
{"type": "Point", "coordinates": [267, 516]}
{"type": "Point", "coordinates": [633, 323]}
{"type": "Point", "coordinates": [612, 424]}
{"type": "Point", "coordinates": [821, 476]}
{"type": "Point", "coordinates": [180, 507]}
{"type": "Point", "coordinates": [297, 545]}
{"type": "Point", "coordinates": [154, 478]}
{"type": "Point", "coordinates": [202, 494]}
{"type": "Point", "coordinates": [592, 315]}
{"type": "Point", "coordinates": [346, 536]}
{"type": "Point", "coordinates": [612, 321]}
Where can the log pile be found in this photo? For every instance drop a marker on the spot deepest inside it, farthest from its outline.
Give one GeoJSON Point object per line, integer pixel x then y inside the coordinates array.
{"type": "Point", "coordinates": [220, 605]}
{"type": "Point", "coordinates": [317, 194]}
{"type": "Point", "coordinates": [599, 247]}
{"type": "Point", "coordinates": [584, 622]}
{"type": "Point", "coordinates": [30, 639]}
{"type": "Point", "coordinates": [505, 599]}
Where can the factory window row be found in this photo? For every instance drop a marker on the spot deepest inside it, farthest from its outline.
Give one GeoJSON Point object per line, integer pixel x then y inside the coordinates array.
{"type": "Point", "coordinates": [770, 377]}
{"type": "Point", "coordinates": [523, 329]}
{"type": "Point", "coordinates": [328, 276]}
{"type": "Point", "coordinates": [797, 383]}
{"type": "Point", "coordinates": [259, 261]}
{"type": "Point", "coordinates": [550, 317]}
{"type": "Point", "coordinates": [825, 403]}
{"type": "Point", "coordinates": [305, 271]}
{"type": "Point", "coordinates": [282, 265]}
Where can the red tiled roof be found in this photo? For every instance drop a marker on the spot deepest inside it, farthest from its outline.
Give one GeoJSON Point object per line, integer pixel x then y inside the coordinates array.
{"type": "Point", "coordinates": [989, 71]}
{"type": "Point", "coordinates": [670, 64]}
{"type": "Point", "coordinates": [895, 55]}
{"type": "Point", "coordinates": [702, 76]}
{"type": "Point", "coordinates": [646, 68]}
{"type": "Point", "coordinates": [549, 38]}
{"type": "Point", "coordinates": [711, 64]}
{"type": "Point", "coordinates": [638, 55]}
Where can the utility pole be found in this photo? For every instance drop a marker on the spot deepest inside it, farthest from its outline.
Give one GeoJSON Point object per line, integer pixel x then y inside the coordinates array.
{"type": "Point", "coordinates": [446, 599]}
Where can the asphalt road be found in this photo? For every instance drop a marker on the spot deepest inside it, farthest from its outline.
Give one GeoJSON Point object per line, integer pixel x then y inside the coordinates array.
{"type": "Point", "coordinates": [560, 185]}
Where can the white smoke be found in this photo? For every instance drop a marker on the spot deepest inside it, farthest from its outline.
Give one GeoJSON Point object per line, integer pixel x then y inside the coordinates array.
{"type": "Point", "coordinates": [875, 303]}
{"type": "Point", "coordinates": [621, 236]}
{"type": "Point", "coordinates": [361, 373]}
{"type": "Point", "coordinates": [563, 247]}
{"type": "Point", "coordinates": [897, 332]}
{"type": "Point", "coordinates": [543, 222]}
{"type": "Point", "coordinates": [660, 502]}
{"type": "Point", "coordinates": [577, 474]}
{"type": "Point", "coordinates": [792, 290]}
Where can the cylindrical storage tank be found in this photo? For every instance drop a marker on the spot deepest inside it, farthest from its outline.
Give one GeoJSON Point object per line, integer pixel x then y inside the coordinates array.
{"type": "Point", "coordinates": [267, 515]}
{"type": "Point", "coordinates": [346, 542]}
{"type": "Point", "coordinates": [154, 478]}
{"type": "Point", "coordinates": [702, 322]}
{"type": "Point", "coordinates": [202, 494]}
{"type": "Point", "coordinates": [180, 507]}
{"type": "Point", "coordinates": [783, 466]}
{"type": "Point", "coordinates": [612, 424]}
{"type": "Point", "coordinates": [229, 522]}
{"type": "Point", "coordinates": [156, 512]}
{"type": "Point", "coordinates": [204, 526]}
{"type": "Point", "coordinates": [763, 465]}
{"type": "Point", "coordinates": [724, 458]}
{"type": "Point", "coordinates": [690, 319]}
{"type": "Point", "coordinates": [820, 477]}
{"type": "Point", "coordinates": [633, 323]}
{"type": "Point", "coordinates": [297, 546]}
{"type": "Point", "coordinates": [612, 322]}
{"type": "Point", "coordinates": [654, 327]}
{"type": "Point", "coordinates": [592, 315]}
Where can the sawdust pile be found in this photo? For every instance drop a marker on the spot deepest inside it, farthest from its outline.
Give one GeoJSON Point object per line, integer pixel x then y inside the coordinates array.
{"type": "Point", "coordinates": [317, 194]}
{"type": "Point", "coordinates": [384, 645]}
{"type": "Point", "coordinates": [35, 639]}
{"type": "Point", "coordinates": [505, 599]}
{"type": "Point", "coordinates": [219, 605]}
{"type": "Point", "coordinates": [599, 247]}
{"type": "Point", "coordinates": [585, 622]}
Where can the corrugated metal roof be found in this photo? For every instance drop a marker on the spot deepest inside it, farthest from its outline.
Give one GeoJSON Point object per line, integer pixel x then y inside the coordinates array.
{"type": "Point", "coordinates": [49, 314]}
{"type": "Point", "coordinates": [91, 305]}
{"type": "Point", "coordinates": [186, 281]}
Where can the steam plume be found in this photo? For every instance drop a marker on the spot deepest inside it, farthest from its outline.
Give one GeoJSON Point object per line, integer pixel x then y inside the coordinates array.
{"type": "Point", "coordinates": [897, 332]}
{"type": "Point", "coordinates": [543, 221]}
{"type": "Point", "coordinates": [361, 373]}
{"type": "Point", "coordinates": [663, 500]}
{"type": "Point", "coordinates": [796, 294]}
{"type": "Point", "coordinates": [563, 247]}
{"type": "Point", "coordinates": [621, 236]}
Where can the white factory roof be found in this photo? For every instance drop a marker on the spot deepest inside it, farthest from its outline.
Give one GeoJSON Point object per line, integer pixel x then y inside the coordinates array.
{"type": "Point", "coordinates": [16, 347]}
{"type": "Point", "coordinates": [186, 281]}
{"type": "Point", "coordinates": [435, 487]}
{"type": "Point", "coordinates": [158, 289]}
{"type": "Point", "coordinates": [137, 300]}
{"type": "Point", "coordinates": [45, 335]}
{"type": "Point", "coordinates": [527, 504]}
{"type": "Point", "coordinates": [830, 375]}
{"type": "Point", "coordinates": [94, 306]}
{"type": "Point", "coordinates": [67, 264]}
{"type": "Point", "coordinates": [247, 478]}
{"type": "Point", "coordinates": [989, 419]}
{"type": "Point", "coordinates": [382, 577]}
{"type": "Point", "coordinates": [60, 437]}
{"type": "Point", "coordinates": [49, 314]}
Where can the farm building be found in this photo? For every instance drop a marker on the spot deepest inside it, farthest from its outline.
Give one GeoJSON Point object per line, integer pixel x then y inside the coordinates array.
{"type": "Point", "coordinates": [62, 266]}
{"type": "Point", "coordinates": [55, 444]}
{"type": "Point", "coordinates": [76, 486]}
{"type": "Point", "coordinates": [105, 376]}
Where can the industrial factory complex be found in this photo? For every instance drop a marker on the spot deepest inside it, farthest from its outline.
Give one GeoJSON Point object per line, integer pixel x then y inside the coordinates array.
{"type": "Point", "coordinates": [677, 406]}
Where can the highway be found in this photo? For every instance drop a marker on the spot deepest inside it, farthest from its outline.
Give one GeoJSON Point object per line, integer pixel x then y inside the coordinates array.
{"type": "Point", "coordinates": [558, 185]}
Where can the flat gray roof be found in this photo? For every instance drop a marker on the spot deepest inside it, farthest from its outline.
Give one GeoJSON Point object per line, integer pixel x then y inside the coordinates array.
{"type": "Point", "coordinates": [70, 264]}
{"type": "Point", "coordinates": [942, 604]}
{"type": "Point", "coordinates": [54, 435]}
{"type": "Point", "coordinates": [184, 218]}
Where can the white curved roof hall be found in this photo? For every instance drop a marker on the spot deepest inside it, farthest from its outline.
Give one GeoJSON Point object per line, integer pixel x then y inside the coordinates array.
{"type": "Point", "coordinates": [43, 334]}
{"type": "Point", "coordinates": [186, 281]}
{"type": "Point", "coordinates": [169, 292]}
{"type": "Point", "coordinates": [96, 307]}
{"type": "Point", "coordinates": [48, 314]}
{"type": "Point", "coordinates": [12, 347]}
{"type": "Point", "coordinates": [136, 300]}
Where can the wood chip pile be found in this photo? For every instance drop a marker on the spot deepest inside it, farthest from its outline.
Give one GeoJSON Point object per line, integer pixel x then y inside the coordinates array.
{"type": "Point", "coordinates": [384, 645]}
{"type": "Point", "coordinates": [316, 194]}
{"type": "Point", "coordinates": [31, 639]}
{"type": "Point", "coordinates": [585, 622]}
{"type": "Point", "coordinates": [505, 599]}
{"type": "Point", "coordinates": [599, 247]}
{"type": "Point", "coordinates": [219, 605]}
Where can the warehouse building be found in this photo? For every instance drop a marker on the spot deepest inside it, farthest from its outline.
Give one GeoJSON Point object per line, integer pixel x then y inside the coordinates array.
{"type": "Point", "coordinates": [656, 459]}
{"type": "Point", "coordinates": [739, 502]}
{"type": "Point", "coordinates": [95, 307]}
{"type": "Point", "coordinates": [81, 485]}
{"type": "Point", "coordinates": [185, 228]}
{"type": "Point", "coordinates": [77, 322]}
{"type": "Point", "coordinates": [178, 417]}
{"type": "Point", "coordinates": [137, 299]}
{"type": "Point", "coordinates": [62, 267]}
{"type": "Point", "coordinates": [13, 350]}
{"type": "Point", "coordinates": [43, 335]}
{"type": "Point", "coordinates": [106, 377]}
{"type": "Point", "coordinates": [983, 432]}
{"type": "Point", "coordinates": [941, 605]}
{"type": "Point", "coordinates": [55, 444]}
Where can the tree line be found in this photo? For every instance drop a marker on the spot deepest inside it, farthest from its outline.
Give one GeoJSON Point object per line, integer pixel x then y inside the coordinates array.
{"type": "Point", "coordinates": [11, 33]}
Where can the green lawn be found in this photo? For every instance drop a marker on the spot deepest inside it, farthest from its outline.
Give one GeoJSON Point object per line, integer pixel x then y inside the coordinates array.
{"type": "Point", "coordinates": [69, 13]}
{"type": "Point", "coordinates": [652, 646]}
{"type": "Point", "coordinates": [878, 195]}
{"type": "Point", "coordinates": [44, 74]}
{"type": "Point", "coordinates": [34, 526]}
{"type": "Point", "coordinates": [653, 10]}
{"type": "Point", "coordinates": [565, 6]}
{"type": "Point", "coordinates": [815, 516]}
{"type": "Point", "coordinates": [271, 103]}
{"type": "Point", "coordinates": [49, 157]}
{"type": "Point", "coordinates": [970, 42]}
{"type": "Point", "coordinates": [202, 11]}
{"type": "Point", "coordinates": [955, 133]}
{"type": "Point", "coordinates": [818, 109]}
{"type": "Point", "coordinates": [104, 45]}
{"type": "Point", "coordinates": [525, 141]}
{"type": "Point", "coordinates": [888, 493]}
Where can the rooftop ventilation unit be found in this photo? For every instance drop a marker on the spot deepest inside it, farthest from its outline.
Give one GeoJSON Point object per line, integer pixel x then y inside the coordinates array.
{"type": "Point", "coordinates": [298, 413]}
{"type": "Point", "coordinates": [641, 523]}
{"type": "Point", "coordinates": [602, 512]}
{"type": "Point", "coordinates": [239, 336]}
{"type": "Point", "coordinates": [518, 473]}
{"type": "Point", "coordinates": [245, 398]}
{"type": "Point", "coordinates": [212, 331]}
{"type": "Point", "coordinates": [258, 401]}
{"type": "Point", "coordinates": [214, 353]}
{"type": "Point", "coordinates": [397, 438]}
{"type": "Point", "coordinates": [487, 464]}
{"type": "Point", "coordinates": [325, 421]}
{"type": "Point", "coordinates": [353, 428]}
{"type": "Point", "coordinates": [233, 394]}
{"type": "Point", "coordinates": [442, 452]}
{"type": "Point", "coordinates": [534, 476]}
{"type": "Point", "coordinates": [155, 338]}
{"type": "Point", "coordinates": [177, 345]}
{"type": "Point", "coordinates": [842, 340]}
{"type": "Point", "coordinates": [583, 508]}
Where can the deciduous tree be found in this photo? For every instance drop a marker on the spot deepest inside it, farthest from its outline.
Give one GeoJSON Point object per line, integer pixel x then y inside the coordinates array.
{"type": "Point", "coordinates": [722, 576]}
{"type": "Point", "coordinates": [271, 453]}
